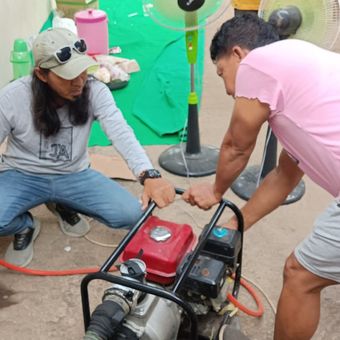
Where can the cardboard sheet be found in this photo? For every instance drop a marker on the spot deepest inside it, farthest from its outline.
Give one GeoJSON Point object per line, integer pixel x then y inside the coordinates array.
{"type": "Point", "coordinates": [111, 166]}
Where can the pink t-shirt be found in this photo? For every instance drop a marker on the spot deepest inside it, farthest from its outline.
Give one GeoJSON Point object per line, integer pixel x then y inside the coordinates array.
{"type": "Point", "coordinates": [301, 84]}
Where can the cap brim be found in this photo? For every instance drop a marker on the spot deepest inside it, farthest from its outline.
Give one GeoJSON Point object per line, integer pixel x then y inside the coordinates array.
{"type": "Point", "coordinates": [75, 66]}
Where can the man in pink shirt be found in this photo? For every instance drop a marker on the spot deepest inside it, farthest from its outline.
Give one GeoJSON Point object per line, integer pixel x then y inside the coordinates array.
{"type": "Point", "coordinates": [295, 87]}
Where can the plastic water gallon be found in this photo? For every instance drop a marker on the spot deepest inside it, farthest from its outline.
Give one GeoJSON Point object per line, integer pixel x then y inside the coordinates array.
{"type": "Point", "coordinates": [92, 27]}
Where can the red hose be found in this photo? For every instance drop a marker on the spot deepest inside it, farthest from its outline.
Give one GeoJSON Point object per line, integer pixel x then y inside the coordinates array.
{"type": "Point", "coordinates": [256, 313]}
{"type": "Point", "coordinates": [36, 272]}
{"type": "Point", "coordinates": [51, 272]}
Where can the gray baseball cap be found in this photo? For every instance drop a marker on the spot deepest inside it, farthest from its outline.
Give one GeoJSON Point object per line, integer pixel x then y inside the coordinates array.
{"type": "Point", "coordinates": [50, 43]}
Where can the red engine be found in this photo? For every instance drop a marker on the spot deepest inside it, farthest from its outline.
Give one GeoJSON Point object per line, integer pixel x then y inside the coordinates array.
{"type": "Point", "coordinates": [161, 245]}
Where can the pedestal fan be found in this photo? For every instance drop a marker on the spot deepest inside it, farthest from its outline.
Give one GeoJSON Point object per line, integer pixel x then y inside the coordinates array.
{"type": "Point", "coordinates": [315, 21]}
{"type": "Point", "coordinates": [190, 158]}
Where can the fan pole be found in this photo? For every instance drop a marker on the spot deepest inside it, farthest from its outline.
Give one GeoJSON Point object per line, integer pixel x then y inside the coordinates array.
{"type": "Point", "coordinates": [249, 180]}
{"type": "Point", "coordinates": [191, 158]}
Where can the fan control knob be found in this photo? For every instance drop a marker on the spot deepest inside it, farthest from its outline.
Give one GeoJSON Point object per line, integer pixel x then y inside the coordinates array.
{"type": "Point", "coordinates": [190, 5]}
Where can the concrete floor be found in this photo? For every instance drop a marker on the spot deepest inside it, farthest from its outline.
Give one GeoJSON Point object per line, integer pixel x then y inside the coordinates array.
{"type": "Point", "coordinates": [43, 308]}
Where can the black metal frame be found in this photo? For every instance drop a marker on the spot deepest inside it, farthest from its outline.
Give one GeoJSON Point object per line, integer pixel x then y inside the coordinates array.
{"type": "Point", "coordinates": [103, 273]}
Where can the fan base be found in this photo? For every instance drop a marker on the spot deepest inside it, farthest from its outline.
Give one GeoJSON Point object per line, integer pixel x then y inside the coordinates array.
{"type": "Point", "coordinates": [177, 161]}
{"type": "Point", "coordinates": [246, 184]}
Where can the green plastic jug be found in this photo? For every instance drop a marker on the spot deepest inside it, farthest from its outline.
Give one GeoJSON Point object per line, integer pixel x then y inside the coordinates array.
{"type": "Point", "coordinates": [21, 59]}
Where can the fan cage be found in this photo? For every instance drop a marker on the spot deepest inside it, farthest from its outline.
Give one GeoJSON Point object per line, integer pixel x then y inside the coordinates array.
{"type": "Point", "coordinates": [320, 20]}
{"type": "Point", "coordinates": [167, 13]}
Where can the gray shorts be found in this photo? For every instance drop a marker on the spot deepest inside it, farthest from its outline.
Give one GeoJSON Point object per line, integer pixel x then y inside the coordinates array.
{"type": "Point", "coordinates": [320, 251]}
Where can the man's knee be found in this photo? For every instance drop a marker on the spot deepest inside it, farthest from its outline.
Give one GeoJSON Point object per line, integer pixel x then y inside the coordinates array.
{"type": "Point", "coordinates": [298, 278]}
{"type": "Point", "coordinates": [133, 215]}
{"type": "Point", "coordinates": [127, 217]}
{"type": "Point", "coordinates": [292, 268]}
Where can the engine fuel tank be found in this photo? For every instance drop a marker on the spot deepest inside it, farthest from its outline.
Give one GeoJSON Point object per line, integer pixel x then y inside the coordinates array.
{"type": "Point", "coordinates": [161, 245]}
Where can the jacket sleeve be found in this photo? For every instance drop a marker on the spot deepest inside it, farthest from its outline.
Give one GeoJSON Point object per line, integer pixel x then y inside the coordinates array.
{"type": "Point", "coordinates": [5, 126]}
{"type": "Point", "coordinates": [117, 129]}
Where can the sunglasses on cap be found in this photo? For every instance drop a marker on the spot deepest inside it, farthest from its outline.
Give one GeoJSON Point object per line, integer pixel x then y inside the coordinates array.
{"type": "Point", "coordinates": [64, 54]}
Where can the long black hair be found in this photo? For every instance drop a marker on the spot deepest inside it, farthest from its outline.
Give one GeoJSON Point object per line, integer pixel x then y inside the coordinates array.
{"type": "Point", "coordinates": [246, 30]}
{"type": "Point", "coordinates": [45, 116]}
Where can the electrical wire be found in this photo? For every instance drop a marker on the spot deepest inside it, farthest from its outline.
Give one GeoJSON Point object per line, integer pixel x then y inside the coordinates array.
{"type": "Point", "coordinates": [182, 153]}
{"type": "Point", "coordinates": [97, 243]}
{"type": "Point", "coordinates": [197, 80]}
{"type": "Point", "coordinates": [197, 225]}
{"type": "Point", "coordinates": [264, 157]}
{"type": "Point", "coordinates": [220, 334]}
{"type": "Point", "coordinates": [270, 302]}
{"type": "Point", "coordinates": [233, 312]}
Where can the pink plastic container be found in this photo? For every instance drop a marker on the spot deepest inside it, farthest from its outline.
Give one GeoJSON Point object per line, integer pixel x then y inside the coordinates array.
{"type": "Point", "coordinates": [92, 27]}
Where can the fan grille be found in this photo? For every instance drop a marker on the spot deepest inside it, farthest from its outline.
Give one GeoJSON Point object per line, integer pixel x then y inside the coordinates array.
{"type": "Point", "coordinates": [320, 20]}
{"type": "Point", "coordinates": [167, 13]}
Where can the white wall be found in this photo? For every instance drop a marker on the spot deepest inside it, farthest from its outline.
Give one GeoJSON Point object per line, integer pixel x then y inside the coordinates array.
{"type": "Point", "coordinates": [18, 19]}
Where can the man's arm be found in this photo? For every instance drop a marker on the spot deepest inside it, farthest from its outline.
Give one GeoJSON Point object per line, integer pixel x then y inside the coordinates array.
{"type": "Point", "coordinates": [125, 142]}
{"type": "Point", "coordinates": [237, 146]}
{"type": "Point", "coordinates": [272, 192]}
{"type": "Point", "coordinates": [239, 141]}
{"type": "Point", "coordinates": [5, 126]}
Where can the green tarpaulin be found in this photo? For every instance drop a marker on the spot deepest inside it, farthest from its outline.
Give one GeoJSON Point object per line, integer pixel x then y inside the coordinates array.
{"type": "Point", "coordinates": [155, 102]}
